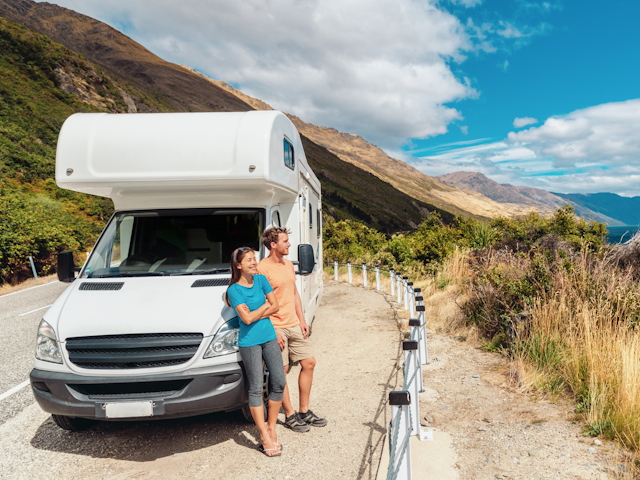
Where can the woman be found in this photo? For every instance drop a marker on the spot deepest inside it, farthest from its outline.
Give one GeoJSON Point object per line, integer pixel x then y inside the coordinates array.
{"type": "Point", "coordinates": [251, 296]}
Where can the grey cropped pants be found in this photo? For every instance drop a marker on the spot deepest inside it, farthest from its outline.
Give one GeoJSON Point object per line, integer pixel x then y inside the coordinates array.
{"type": "Point", "coordinates": [252, 358]}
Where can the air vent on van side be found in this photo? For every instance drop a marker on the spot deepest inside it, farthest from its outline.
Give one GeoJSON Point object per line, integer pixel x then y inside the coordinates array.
{"type": "Point", "coordinates": [210, 282]}
{"type": "Point", "coordinates": [101, 285]}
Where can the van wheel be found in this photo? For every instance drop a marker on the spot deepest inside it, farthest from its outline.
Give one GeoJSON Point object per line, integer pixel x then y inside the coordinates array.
{"type": "Point", "coordinates": [72, 424]}
{"type": "Point", "coordinates": [246, 413]}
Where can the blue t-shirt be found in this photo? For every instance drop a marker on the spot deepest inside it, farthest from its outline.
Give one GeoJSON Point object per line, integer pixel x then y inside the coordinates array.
{"type": "Point", "coordinates": [260, 331]}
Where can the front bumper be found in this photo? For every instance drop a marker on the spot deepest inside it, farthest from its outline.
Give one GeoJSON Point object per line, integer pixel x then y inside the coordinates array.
{"type": "Point", "coordinates": [192, 392]}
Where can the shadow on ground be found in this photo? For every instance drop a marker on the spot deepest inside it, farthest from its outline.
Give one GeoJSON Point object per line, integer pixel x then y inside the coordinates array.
{"type": "Point", "coordinates": [149, 440]}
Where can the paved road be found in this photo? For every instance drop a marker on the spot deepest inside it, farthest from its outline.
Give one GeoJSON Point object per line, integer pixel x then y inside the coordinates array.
{"type": "Point", "coordinates": [20, 313]}
{"type": "Point", "coordinates": [356, 341]}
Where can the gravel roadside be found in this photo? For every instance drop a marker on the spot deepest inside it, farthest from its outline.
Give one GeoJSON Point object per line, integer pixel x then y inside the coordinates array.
{"type": "Point", "coordinates": [356, 342]}
{"type": "Point", "coordinates": [499, 433]}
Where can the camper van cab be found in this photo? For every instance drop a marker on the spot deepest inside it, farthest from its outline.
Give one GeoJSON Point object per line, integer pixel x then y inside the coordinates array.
{"type": "Point", "coordinates": [143, 331]}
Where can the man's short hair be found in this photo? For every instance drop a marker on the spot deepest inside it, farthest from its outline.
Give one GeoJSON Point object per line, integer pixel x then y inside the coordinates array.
{"type": "Point", "coordinates": [271, 235]}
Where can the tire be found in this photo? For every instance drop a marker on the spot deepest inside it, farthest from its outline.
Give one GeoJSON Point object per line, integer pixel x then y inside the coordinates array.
{"type": "Point", "coordinates": [246, 413]}
{"type": "Point", "coordinates": [72, 424]}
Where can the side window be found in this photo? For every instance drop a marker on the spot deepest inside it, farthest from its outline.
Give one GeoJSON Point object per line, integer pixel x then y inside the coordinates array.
{"type": "Point", "coordinates": [319, 223]}
{"type": "Point", "coordinates": [289, 158]}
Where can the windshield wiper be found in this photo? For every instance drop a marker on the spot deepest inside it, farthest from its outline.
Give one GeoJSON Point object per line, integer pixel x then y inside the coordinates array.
{"type": "Point", "coordinates": [203, 272]}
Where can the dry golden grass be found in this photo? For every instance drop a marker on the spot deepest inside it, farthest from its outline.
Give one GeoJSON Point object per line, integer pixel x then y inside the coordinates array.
{"type": "Point", "coordinates": [32, 282]}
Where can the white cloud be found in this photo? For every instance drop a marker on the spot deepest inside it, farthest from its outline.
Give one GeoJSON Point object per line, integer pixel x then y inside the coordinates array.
{"type": "Point", "coordinates": [467, 3]}
{"type": "Point", "coordinates": [524, 121]}
{"type": "Point", "coordinates": [377, 68]}
{"type": "Point", "coordinates": [603, 134]}
{"type": "Point", "coordinates": [592, 150]}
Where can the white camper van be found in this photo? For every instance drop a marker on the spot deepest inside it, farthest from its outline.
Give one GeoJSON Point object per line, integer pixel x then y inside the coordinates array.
{"type": "Point", "coordinates": [143, 331]}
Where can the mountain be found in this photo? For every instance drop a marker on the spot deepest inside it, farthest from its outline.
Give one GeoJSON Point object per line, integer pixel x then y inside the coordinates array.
{"type": "Point", "coordinates": [624, 209]}
{"type": "Point", "coordinates": [536, 198]}
{"type": "Point", "coordinates": [170, 86]}
{"type": "Point", "coordinates": [146, 83]}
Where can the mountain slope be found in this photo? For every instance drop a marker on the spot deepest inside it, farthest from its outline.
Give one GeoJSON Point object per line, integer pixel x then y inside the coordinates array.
{"type": "Point", "coordinates": [169, 84]}
{"type": "Point", "coordinates": [537, 198]}
{"type": "Point", "coordinates": [624, 209]}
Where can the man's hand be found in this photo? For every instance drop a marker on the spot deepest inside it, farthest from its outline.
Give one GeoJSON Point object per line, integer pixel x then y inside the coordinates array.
{"type": "Point", "coordinates": [281, 341]}
{"type": "Point", "coordinates": [305, 329]}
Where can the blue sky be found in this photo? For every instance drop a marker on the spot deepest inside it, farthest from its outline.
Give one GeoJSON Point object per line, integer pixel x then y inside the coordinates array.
{"type": "Point", "coordinates": [528, 92]}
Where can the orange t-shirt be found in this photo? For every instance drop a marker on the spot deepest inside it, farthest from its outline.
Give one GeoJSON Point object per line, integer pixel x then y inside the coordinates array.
{"type": "Point", "coordinates": [282, 278]}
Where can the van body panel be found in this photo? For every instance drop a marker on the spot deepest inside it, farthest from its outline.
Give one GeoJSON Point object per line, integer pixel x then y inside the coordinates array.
{"type": "Point", "coordinates": [138, 160]}
{"type": "Point", "coordinates": [143, 305]}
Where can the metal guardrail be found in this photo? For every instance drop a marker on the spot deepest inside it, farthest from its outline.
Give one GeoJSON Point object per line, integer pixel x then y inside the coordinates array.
{"type": "Point", "coordinates": [405, 403]}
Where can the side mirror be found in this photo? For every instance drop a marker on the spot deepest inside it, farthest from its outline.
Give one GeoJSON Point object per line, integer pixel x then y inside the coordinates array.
{"type": "Point", "coordinates": [66, 267]}
{"type": "Point", "coordinates": [306, 259]}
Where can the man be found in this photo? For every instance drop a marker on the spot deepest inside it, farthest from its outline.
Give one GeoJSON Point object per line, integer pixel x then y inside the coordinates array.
{"type": "Point", "coordinates": [291, 328]}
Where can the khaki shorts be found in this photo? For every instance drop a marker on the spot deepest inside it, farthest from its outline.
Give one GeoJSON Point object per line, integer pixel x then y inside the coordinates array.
{"type": "Point", "coordinates": [296, 347]}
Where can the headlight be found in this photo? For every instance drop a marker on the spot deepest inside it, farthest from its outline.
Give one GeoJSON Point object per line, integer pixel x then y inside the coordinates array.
{"type": "Point", "coordinates": [225, 341]}
{"type": "Point", "coordinates": [47, 347]}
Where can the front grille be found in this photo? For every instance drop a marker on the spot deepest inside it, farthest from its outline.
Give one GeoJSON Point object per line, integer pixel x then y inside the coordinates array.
{"type": "Point", "coordinates": [133, 351]}
{"type": "Point", "coordinates": [107, 391]}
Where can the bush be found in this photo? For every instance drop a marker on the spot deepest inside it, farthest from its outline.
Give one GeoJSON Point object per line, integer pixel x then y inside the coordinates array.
{"type": "Point", "coordinates": [36, 225]}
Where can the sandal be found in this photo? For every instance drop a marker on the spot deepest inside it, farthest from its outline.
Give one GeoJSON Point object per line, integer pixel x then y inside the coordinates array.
{"type": "Point", "coordinates": [263, 450]}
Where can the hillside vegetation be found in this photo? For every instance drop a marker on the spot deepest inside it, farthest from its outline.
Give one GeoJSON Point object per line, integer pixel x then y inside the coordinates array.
{"type": "Point", "coordinates": [36, 217]}
{"type": "Point", "coordinates": [547, 291]}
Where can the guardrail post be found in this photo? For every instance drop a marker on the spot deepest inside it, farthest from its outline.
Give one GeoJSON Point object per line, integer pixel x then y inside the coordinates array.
{"type": "Point", "coordinates": [416, 334]}
{"type": "Point", "coordinates": [424, 346]}
{"type": "Point", "coordinates": [377, 278]}
{"type": "Point", "coordinates": [412, 299]}
{"type": "Point", "coordinates": [399, 288]}
{"type": "Point", "coordinates": [399, 436]}
{"type": "Point", "coordinates": [405, 285]}
{"type": "Point", "coordinates": [33, 267]}
{"type": "Point", "coordinates": [417, 294]}
{"type": "Point", "coordinates": [392, 282]}
{"type": "Point", "coordinates": [412, 369]}
{"type": "Point", "coordinates": [335, 270]}
{"type": "Point", "coordinates": [349, 272]}
{"type": "Point", "coordinates": [365, 280]}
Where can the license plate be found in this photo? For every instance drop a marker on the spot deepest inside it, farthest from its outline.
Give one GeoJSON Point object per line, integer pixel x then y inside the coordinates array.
{"type": "Point", "coordinates": [128, 409]}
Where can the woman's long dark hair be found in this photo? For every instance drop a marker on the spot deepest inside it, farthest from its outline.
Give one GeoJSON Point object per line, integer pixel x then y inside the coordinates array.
{"type": "Point", "coordinates": [236, 257]}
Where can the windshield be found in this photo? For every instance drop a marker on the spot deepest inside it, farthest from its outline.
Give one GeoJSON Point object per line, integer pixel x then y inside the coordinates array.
{"type": "Point", "coordinates": [173, 242]}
